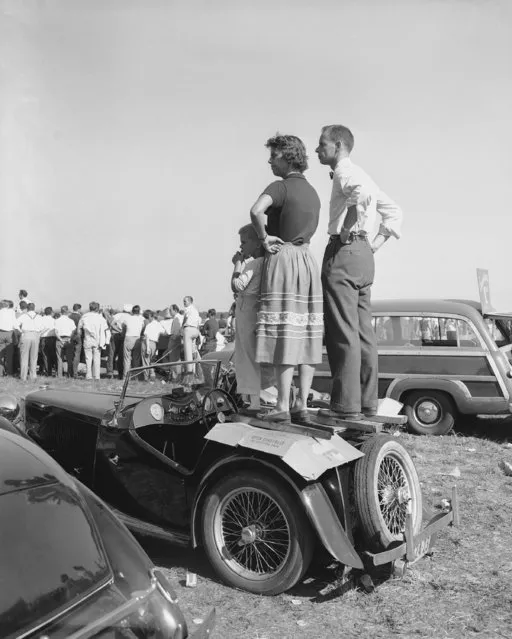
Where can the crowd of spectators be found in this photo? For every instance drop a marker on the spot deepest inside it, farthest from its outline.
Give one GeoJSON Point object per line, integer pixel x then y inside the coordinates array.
{"type": "Point", "coordinates": [52, 342]}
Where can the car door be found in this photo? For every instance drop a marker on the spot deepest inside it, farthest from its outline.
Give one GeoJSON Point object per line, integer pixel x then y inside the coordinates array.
{"type": "Point", "coordinates": [135, 475]}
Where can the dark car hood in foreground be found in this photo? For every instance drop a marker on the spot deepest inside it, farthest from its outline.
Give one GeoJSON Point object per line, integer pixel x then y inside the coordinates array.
{"type": "Point", "coordinates": [24, 465]}
{"type": "Point", "coordinates": [90, 403]}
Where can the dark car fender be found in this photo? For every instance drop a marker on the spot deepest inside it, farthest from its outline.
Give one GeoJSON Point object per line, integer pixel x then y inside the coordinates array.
{"type": "Point", "coordinates": [313, 497]}
{"type": "Point", "coordinates": [11, 427]}
{"type": "Point", "coordinates": [453, 388]}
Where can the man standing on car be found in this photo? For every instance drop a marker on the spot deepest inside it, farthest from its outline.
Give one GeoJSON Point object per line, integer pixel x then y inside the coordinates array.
{"type": "Point", "coordinates": [347, 274]}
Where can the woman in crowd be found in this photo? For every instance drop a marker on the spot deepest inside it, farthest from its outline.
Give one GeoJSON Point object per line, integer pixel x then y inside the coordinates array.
{"type": "Point", "coordinates": [290, 319]}
{"type": "Point", "coordinates": [245, 283]}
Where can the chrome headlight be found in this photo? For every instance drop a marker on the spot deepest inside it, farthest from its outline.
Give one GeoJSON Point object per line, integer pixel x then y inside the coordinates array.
{"type": "Point", "coordinates": [9, 406]}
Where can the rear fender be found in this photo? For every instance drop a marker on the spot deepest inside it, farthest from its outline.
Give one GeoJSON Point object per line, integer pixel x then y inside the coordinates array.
{"type": "Point", "coordinates": [455, 390]}
{"type": "Point", "coordinates": [318, 507]}
{"type": "Point", "coordinates": [326, 522]}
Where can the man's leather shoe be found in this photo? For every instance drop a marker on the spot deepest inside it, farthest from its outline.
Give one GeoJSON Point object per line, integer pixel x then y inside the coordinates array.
{"type": "Point", "coordinates": [334, 414]}
{"type": "Point", "coordinates": [300, 416]}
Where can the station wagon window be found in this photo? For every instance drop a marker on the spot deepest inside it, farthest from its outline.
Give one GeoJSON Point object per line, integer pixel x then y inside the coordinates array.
{"type": "Point", "coordinates": [409, 331]}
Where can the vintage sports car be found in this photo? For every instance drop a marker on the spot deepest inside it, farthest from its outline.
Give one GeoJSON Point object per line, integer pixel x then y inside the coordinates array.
{"type": "Point", "coordinates": [68, 567]}
{"type": "Point", "coordinates": [173, 457]}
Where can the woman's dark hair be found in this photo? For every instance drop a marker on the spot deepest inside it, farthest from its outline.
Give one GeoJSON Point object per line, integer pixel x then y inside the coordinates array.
{"type": "Point", "coordinates": [292, 149]}
{"type": "Point", "coordinates": [136, 309]}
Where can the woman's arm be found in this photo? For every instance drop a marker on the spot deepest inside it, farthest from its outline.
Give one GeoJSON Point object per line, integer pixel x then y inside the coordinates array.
{"type": "Point", "coordinates": [270, 243]}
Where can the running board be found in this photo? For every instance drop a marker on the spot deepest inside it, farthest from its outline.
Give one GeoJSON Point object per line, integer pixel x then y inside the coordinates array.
{"type": "Point", "coordinates": [152, 530]}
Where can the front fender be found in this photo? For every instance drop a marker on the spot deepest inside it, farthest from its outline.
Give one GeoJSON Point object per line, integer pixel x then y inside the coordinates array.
{"type": "Point", "coordinates": [11, 427]}
{"type": "Point", "coordinates": [325, 521]}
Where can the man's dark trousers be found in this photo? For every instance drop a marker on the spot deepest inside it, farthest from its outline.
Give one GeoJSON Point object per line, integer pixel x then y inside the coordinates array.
{"type": "Point", "coordinates": [47, 348]}
{"type": "Point", "coordinates": [6, 353]}
{"type": "Point", "coordinates": [115, 354]}
{"type": "Point", "coordinates": [347, 275]}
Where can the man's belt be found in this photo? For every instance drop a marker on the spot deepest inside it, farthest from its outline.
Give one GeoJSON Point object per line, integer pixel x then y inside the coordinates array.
{"type": "Point", "coordinates": [351, 236]}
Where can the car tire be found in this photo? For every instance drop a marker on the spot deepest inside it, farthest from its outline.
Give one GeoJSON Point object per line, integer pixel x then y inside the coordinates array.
{"type": "Point", "coordinates": [429, 412]}
{"type": "Point", "coordinates": [244, 550]}
{"type": "Point", "coordinates": [386, 487]}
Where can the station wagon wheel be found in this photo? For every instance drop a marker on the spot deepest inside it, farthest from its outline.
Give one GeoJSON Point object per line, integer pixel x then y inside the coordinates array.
{"type": "Point", "coordinates": [429, 412]}
{"type": "Point", "coordinates": [256, 534]}
{"type": "Point", "coordinates": [386, 488]}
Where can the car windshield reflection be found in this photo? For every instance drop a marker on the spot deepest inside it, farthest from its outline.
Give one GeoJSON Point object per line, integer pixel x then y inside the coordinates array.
{"type": "Point", "coordinates": [164, 378]}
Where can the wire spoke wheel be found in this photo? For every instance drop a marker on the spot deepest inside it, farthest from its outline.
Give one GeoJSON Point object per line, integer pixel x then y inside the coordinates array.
{"type": "Point", "coordinates": [256, 533]}
{"type": "Point", "coordinates": [386, 489]}
{"type": "Point", "coordinates": [394, 494]}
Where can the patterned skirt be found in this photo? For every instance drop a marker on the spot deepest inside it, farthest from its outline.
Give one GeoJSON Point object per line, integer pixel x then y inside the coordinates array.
{"type": "Point", "coordinates": [290, 323]}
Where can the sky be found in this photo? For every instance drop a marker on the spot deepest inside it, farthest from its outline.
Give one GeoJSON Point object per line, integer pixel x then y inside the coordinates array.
{"type": "Point", "coordinates": [132, 138]}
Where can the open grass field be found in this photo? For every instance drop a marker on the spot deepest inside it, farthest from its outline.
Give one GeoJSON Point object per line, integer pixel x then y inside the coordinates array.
{"type": "Point", "coordinates": [463, 591]}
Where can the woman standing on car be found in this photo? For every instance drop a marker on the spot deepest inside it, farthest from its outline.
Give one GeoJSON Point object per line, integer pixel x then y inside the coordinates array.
{"type": "Point", "coordinates": [290, 319]}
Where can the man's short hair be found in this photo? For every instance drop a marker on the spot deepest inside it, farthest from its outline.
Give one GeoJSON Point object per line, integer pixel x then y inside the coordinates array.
{"type": "Point", "coordinates": [77, 307]}
{"type": "Point", "coordinates": [189, 298]}
{"type": "Point", "coordinates": [292, 149]}
{"type": "Point", "coordinates": [22, 293]}
{"type": "Point", "coordinates": [136, 309]}
{"type": "Point", "coordinates": [94, 306]}
{"type": "Point", "coordinates": [148, 314]}
{"type": "Point", "coordinates": [212, 312]}
{"type": "Point", "coordinates": [175, 308]}
{"type": "Point", "coordinates": [48, 310]}
{"type": "Point", "coordinates": [339, 133]}
{"type": "Point", "coordinates": [64, 309]}
{"type": "Point", "coordinates": [30, 307]}
{"type": "Point", "coordinates": [23, 305]}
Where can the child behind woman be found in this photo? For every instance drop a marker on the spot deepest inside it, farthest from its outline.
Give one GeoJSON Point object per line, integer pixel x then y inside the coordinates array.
{"type": "Point", "coordinates": [245, 283]}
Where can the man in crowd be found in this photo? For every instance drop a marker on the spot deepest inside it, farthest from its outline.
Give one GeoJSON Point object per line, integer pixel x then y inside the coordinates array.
{"type": "Point", "coordinates": [94, 328]}
{"type": "Point", "coordinates": [190, 331]}
{"type": "Point", "coordinates": [8, 326]}
{"type": "Point", "coordinates": [165, 320]}
{"type": "Point", "coordinates": [133, 325]}
{"type": "Point", "coordinates": [64, 328]}
{"type": "Point", "coordinates": [347, 274]}
{"type": "Point", "coordinates": [174, 347]}
{"type": "Point", "coordinates": [115, 353]}
{"type": "Point", "coordinates": [30, 327]}
{"type": "Point", "coordinates": [47, 341]}
{"type": "Point", "coordinates": [76, 340]}
{"type": "Point", "coordinates": [23, 297]}
{"type": "Point", "coordinates": [152, 331]}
